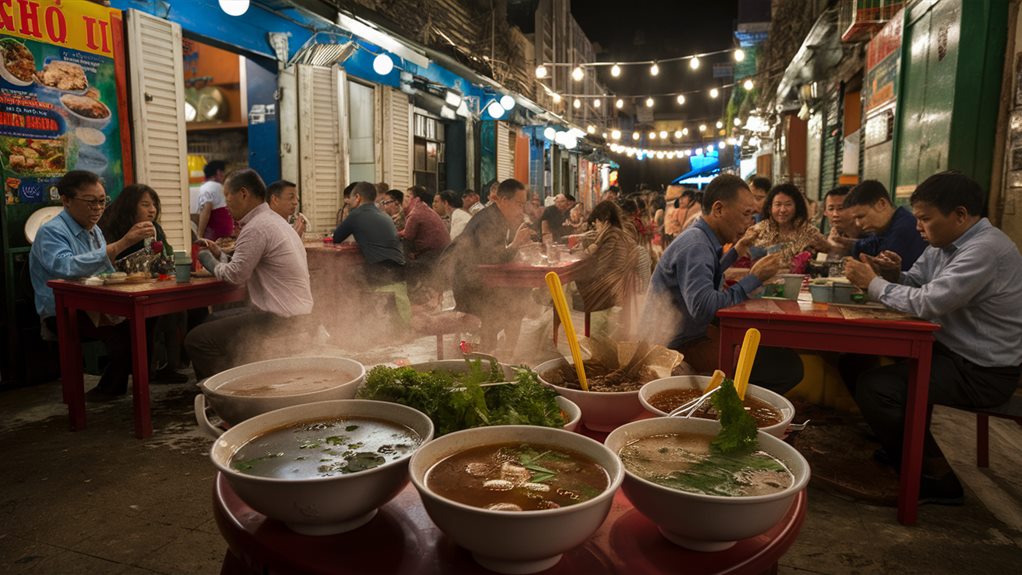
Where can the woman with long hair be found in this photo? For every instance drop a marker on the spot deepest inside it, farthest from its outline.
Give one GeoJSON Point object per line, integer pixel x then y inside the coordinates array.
{"type": "Point", "coordinates": [785, 227]}
{"type": "Point", "coordinates": [140, 203]}
{"type": "Point", "coordinates": [613, 257]}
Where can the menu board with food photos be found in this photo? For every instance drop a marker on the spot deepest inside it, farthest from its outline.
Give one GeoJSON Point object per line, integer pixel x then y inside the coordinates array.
{"type": "Point", "coordinates": [59, 96]}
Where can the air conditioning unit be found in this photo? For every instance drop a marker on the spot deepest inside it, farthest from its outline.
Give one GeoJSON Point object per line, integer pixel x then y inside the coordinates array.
{"type": "Point", "coordinates": [859, 19]}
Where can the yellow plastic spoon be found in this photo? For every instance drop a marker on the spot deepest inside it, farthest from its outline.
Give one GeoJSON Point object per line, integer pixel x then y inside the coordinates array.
{"type": "Point", "coordinates": [745, 359]}
{"type": "Point", "coordinates": [553, 282]}
{"type": "Point", "coordinates": [715, 381]}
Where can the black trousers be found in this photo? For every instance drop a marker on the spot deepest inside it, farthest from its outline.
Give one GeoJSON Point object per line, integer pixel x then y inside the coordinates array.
{"type": "Point", "coordinates": [231, 337]}
{"type": "Point", "coordinates": [882, 392]}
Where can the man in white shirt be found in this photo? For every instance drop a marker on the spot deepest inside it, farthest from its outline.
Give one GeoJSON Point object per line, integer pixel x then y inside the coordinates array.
{"type": "Point", "coordinates": [449, 206]}
{"type": "Point", "coordinates": [269, 260]}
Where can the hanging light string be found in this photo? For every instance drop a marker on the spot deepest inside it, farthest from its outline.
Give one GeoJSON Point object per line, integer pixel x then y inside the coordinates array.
{"type": "Point", "coordinates": [657, 95]}
{"type": "Point", "coordinates": [739, 55]}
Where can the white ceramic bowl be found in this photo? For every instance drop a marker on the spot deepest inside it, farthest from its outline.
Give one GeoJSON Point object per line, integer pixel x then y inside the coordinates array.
{"type": "Point", "coordinates": [237, 408]}
{"type": "Point", "coordinates": [572, 413]}
{"type": "Point", "coordinates": [601, 411]}
{"type": "Point", "coordinates": [320, 505]}
{"type": "Point", "coordinates": [510, 541]}
{"type": "Point", "coordinates": [706, 522]}
{"type": "Point", "coordinates": [777, 401]}
{"type": "Point", "coordinates": [82, 120]}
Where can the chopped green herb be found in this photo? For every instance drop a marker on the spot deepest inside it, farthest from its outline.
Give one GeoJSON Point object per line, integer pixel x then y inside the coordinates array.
{"type": "Point", "coordinates": [351, 428]}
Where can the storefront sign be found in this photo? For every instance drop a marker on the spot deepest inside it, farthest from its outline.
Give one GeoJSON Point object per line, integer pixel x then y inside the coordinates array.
{"type": "Point", "coordinates": [59, 97]}
{"type": "Point", "coordinates": [882, 59]}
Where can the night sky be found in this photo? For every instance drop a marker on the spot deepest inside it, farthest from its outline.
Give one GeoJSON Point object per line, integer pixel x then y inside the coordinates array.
{"type": "Point", "coordinates": [641, 30]}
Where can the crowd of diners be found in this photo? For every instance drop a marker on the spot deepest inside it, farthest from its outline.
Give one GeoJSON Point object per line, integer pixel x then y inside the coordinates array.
{"type": "Point", "coordinates": [682, 254]}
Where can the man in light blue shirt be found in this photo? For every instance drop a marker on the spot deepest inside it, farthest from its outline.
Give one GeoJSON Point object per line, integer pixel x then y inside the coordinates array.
{"type": "Point", "coordinates": [685, 290]}
{"type": "Point", "coordinates": [969, 280]}
{"type": "Point", "coordinates": [71, 246]}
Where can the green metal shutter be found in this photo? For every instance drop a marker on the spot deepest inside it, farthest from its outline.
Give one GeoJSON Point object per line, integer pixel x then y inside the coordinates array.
{"type": "Point", "coordinates": [832, 140]}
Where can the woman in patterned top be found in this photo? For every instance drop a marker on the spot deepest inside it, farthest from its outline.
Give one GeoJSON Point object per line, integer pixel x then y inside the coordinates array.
{"type": "Point", "coordinates": [785, 227]}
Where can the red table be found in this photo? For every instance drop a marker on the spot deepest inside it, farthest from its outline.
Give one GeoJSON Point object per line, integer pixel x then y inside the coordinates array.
{"type": "Point", "coordinates": [520, 275]}
{"type": "Point", "coordinates": [135, 301]}
{"type": "Point", "coordinates": [403, 539]}
{"type": "Point", "coordinates": [822, 327]}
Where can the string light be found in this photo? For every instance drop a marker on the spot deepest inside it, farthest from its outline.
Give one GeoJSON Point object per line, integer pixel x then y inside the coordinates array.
{"type": "Point", "coordinates": [615, 70]}
{"type": "Point", "coordinates": [577, 103]}
{"type": "Point", "coordinates": [557, 98]}
{"type": "Point", "coordinates": [681, 99]}
{"type": "Point", "coordinates": [577, 74]}
{"type": "Point", "coordinates": [635, 136]}
{"type": "Point", "coordinates": [652, 135]}
{"type": "Point", "coordinates": [663, 134]}
{"type": "Point", "coordinates": [597, 103]}
{"type": "Point", "coordinates": [591, 129]}
{"type": "Point", "coordinates": [694, 63]}
{"type": "Point", "coordinates": [720, 145]}
{"type": "Point", "coordinates": [615, 134]}
{"type": "Point", "coordinates": [702, 127]}
{"type": "Point", "coordinates": [739, 55]}
{"type": "Point", "coordinates": [649, 102]}
{"type": "Point", "coordinates": [684, 131]}
{"type": "Point", "coordinates": [654, 69]}
{"type": "Point", "coordinates": [541, 71]}
{"type": "Point", "coordinates": [720, 124]}
{"type": "Point", "coordinates": [714, 92]}
{"type": "Point", "coordinates": [604, 135]}
{"type": "Point", "coordinates": [677, 134]}
{"type": "Point", "coordinates": [738, 122]}
{"type": "Point", "coordinates": [619, 104]}
{"type": "Point", "coordinates": [747, 84]}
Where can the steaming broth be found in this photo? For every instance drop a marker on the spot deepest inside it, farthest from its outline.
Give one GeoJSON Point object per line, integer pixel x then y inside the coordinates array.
{"type": "Point", "coordinates": [764, 413]}
{"type": "Point", "coordinates": [684, 461]}
{"type": "Point", "coordinates": [325, 448]}
{"type": "Point", "coordinates": [284, 382]}
{"type": "Point", "coordinates": [517, 477]}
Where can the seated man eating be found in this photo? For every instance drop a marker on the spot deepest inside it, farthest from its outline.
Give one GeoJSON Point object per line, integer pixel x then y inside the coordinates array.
{"type": "Point", "coordinates": [685, 290]}
{"type": "Point", "coordinates": [269, 260]}
{"type": "Point", "coordinates": [969, 280]}
{"type": "Point", "coordinates": [71, 246]}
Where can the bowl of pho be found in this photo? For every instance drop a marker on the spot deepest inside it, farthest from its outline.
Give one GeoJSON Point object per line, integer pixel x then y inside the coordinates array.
{"type": "Point", "coordinates": [771, 411]}
{"type": "Point", "coordinates": [700, 497]}
{"type": "Point", "coordinates": [324, 467]}
{"type": "Point", "coordinates": [251, 389]}
{"type": "Point", "coordinates": [517, 497]}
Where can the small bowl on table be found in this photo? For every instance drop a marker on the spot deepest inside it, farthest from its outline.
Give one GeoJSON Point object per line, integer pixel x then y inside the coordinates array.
{"type": "Point", "coordinates": [515, 541]}
{"type": "Point", "coordinates": [699, 382]}
{"type": "Point", "coordinates": [706, 522]}
{"type": "Point", "coordinates": [601, 410]}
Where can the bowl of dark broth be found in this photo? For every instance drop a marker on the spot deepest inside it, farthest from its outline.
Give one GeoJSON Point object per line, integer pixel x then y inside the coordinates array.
{"type": "Point", "coordinates": [605, 406]}
{"type": "Point", "coordinates": [771, 411]}
{"type": "Point", "coordinates": [251, 389]}
{"type": "Point", "coordinates": [324, 467]}
{"type": "Point", "coordinates": [698, 497]}
{"type": "Point", "coordinates": [517, 497]}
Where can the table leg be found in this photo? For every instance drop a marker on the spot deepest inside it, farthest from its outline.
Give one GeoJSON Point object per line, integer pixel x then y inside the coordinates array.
{"type": "Point", "coordinates": [140, 372]}
{"type": "Point", "coordinates": [729, 339]}
{"type": "Point", "coordinates": [71, 379]}
{"type": "Point", "coordinates": [914, 432]}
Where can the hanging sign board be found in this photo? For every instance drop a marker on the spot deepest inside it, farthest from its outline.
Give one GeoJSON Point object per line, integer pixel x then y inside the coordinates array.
{"type": "Point", "coordinates": [60, 96]}
{"type": "Point", "coordinates": [882, 59]}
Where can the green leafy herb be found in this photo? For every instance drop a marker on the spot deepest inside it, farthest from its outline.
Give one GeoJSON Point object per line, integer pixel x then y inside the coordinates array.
{"type": "Point", "coordinates": [457, 401]}
{"type": "Point", "coordinates": [737, 427]}
{"type": "Point", "coordinates": [529, 458]}
{"type": "Point", "coordinates": [351, 428]}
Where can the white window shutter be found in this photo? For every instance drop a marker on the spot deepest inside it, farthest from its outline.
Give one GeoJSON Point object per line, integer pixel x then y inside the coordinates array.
{"type": "Point", "coordinates": [397, 139]}
{"type": "Point", "coordinates": [158, 122]}
{"type": "Point", "coordinates": [321, 145]}
{"type": "Point", "coordinates": [505, 152]}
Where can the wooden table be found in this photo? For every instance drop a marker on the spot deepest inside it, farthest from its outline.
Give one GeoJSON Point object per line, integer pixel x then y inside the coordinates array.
{"type": "Point", "coordinates": [135, 301]}
{"type": "Point", "coordinates": [521, 275]}
{"type": "Point", "coordinates": [822, 327]}
{"type": "Point", "coordinates": [403, 539]}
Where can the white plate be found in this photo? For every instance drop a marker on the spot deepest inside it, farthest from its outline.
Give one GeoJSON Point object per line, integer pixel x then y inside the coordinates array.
{"type": "Point", "coordinates": [38, 218]}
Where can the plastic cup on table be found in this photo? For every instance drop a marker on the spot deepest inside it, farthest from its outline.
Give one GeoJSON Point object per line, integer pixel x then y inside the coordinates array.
{"type": "Point", "coordinates": [182, 267]}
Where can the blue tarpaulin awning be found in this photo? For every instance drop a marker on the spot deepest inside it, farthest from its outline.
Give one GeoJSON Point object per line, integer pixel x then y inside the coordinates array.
{"type": "Point", "coordinates": [701, 166]}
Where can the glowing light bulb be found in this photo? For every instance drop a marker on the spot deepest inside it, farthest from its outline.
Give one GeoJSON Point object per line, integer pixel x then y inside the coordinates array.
{"type": "Point", "coordinates": [383, 65]}
{"type": "Point", "coordinates": [739, 55]}
{"type": "Point", "coordinates": [720, 124]}
{"type": "Point", "coordinates": [678, 134]}
{"type": "Point", "coordinates": [557, 98]}
{"type": "Point", "coordinates": [597, 103]}
{"type": "Point", "coordinates": [619, 103]}
{"type": "Point", "coordinates": [616, 134]}
{"type": "Point", "coordinates": [720, 145]}
{"type": "Point", "coordinates": [635, 136]}
{"type": "Point", "coordinates": [591, 129]}
{"type": "Point", "coordinates": [615, 70]}
{"type": "Point", "coordinates": [684, 131]}
{"type": "Point", "coordinates": [681, 99]}
{"type": "Point", "coordinates": [577, 103]}
{"type": "Point", "coordinates": [748, 84]}
{"type": "Point", "coordinates": [649, 102]}
{"type": "Point", "coordinates": [549, 133]}
{"type": "Point", "coordinates": [495, 109]}
{"type": "Point", "coordinates": [652, 135]}
{"type": "Point", "coordinates": [541, 71]}
{"type": "Point", "coordinates": [702, 127]}
{"type": "Point", "coordinates": [663, 134]}
{"type": "Point", "coordinates": [738, 121]}
{"type": "Point", "coordinates": [654, 69]}
{"type": "Point", "coordinates": [714, 92]}
{"type": "Point", "coordinates": [234, 7]}
{"type": "Point", "coordinates": [577, 74]}
{"type": "Point", "coordinates": [694, 63]}
{"type": "Point", "coordinates": [507, 102]}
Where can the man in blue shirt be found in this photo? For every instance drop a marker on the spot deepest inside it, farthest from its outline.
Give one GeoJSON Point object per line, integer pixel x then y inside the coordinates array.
{"type": "Point", "coordinates": [886, 227]}
{"type": "Point", "coordinates": [71, 246]}
{"type": "Point", "coordinates": [375, 235]}
{"type": "Point", "coordinates": [969, 280]}
{"type": "Point", "coordinates": [685, 290]}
